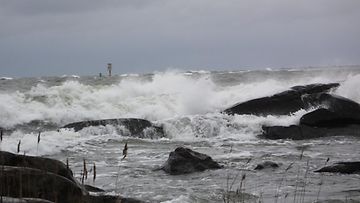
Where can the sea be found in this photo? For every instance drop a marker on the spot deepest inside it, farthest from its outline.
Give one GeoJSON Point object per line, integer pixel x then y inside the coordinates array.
{"type": "Point", "coordinates": [188, 104]}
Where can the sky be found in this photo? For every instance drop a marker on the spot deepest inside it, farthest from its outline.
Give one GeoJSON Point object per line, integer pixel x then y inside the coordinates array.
{"type": "Point", "coordinates": [52, 37]}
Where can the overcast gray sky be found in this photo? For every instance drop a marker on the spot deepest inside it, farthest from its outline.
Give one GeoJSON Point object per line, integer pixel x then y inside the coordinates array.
{"type": "Point", "coordinates": [52, 37]}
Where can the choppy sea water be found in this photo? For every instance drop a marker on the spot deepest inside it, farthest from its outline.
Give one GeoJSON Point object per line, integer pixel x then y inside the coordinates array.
{"type": "Point", "coordinates": [188, 105]}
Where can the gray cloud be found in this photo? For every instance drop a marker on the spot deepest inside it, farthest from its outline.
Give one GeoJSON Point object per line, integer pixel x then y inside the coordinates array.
{"type": "Point", "coordinates": [79, 37]}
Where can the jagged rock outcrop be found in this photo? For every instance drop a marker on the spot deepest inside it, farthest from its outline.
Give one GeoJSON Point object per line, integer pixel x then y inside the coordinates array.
{"type": "Point", "coordinates": [184, 160]}
{"type": "Point", "coordinates": [283, 103]}
{"type": "Point", "coordinates": [136, 127]}
{"type": "Point", "coordinates": [342, 167]}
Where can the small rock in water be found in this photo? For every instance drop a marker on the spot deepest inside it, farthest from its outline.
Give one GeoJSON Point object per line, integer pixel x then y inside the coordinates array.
{"type": "Point", "coordinates": [266, 165]}
{"type": "Point", "coordinates": [184, 160]}
{"type": "Point", "coordinates": [136, 127]}
{"type": "Point", "coordinates": [111, 199]}
{"type": "Point", "coordinates": [342, 167]}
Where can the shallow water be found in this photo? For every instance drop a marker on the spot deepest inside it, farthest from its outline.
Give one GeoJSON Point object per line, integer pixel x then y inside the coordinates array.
{"type": "Point", "coordinates": [188, 105]}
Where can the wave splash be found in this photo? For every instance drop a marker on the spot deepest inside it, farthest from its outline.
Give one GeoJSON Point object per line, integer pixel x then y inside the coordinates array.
{"type": "Point", "coordinates": [166, 95]}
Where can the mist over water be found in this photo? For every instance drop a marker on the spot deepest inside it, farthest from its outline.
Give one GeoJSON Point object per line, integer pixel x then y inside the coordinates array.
{"type": "Point", "coordinates": [188, 105]}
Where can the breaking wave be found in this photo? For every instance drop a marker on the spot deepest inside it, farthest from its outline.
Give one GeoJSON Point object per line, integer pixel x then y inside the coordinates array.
{"type": "Point", "coordinates": [166, 95]}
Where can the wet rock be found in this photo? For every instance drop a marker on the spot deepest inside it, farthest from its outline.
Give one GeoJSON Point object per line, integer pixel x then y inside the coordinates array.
{"type": "Point", "coordinates": [293, 132]}
{"type": "Point", "coordinates": [337, 116]}
{"type": "Point", "coordinates": [266, 165]}
{"type": "Point", "coordinates": [136, 127]}
{"type": "Point", "coordinates": [33, 183]}
{"type": "Point", "coordinates": [336, 111]}
{"type": "Point", "coordinates": [90, 188]}
{"type": "Point", "coordinates": [184, 160]}
{"type": "Point", "coordinates": [23, 200]}
{"type": "Point", "coordinates": [111, 199]}
{"type": "Point", "coordinates": [334, 103]}
{"type": "Point", "coordinates": [302, 132]}
{"type": "Point", "coordinates": [342, 167]}
{"type": "Point", "coordinates": [43, 164]}
{"type": "Point", "coordinates": [283, 103]}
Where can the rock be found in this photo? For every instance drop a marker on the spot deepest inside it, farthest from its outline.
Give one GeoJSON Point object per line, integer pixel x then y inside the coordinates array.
{"type": "Point", "coordinates": [111, 199]}
{"type": "Point", "coordinates": [325, 118]}
{"type": "Point", "coordinates": [23, 200]}
{"type": "Point", "coordinates": [283, 103]}
{"type": "Point", "coordinates": [335, 111]}
{"type": "Point", "coordinates": [43, 164]}
{"type": "Point", "coordinates": [266, 165]}
{"type": "Point", "coordinates": [293, 132]}
{"type": "Point", "coordinates": [184, 160]}
{"type": "Point", "coordinates": [136, 127]}
{"type": "Point", "coordinates": [342, 167]}
{"type": "Point", "coordinates": [90, 188]}
{"type": "Point", "coordinates": [337, 116]}
{"type": "Point", "coordinates": [33, 183]}
{"type": "Point", "coordinates": [337, 104]}
{"type": "Point", "coordinates": [302, 132]}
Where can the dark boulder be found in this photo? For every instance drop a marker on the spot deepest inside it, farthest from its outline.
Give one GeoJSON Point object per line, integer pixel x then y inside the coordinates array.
{"type": "Point", "coordinates": [334, 103]}
{"type": "Point", "coordinates": [90, 188]}
{"type": "Point", "coordinates": [335, 111]}
{"type": "Point", "coordinates": [302, 132]}
{"type": "Point", "coordinates": [136, 127]}
{"type": "Point", "coordinates": [184, 160]}
{"type": "Point", "coordinates": [342, 167]}
{"type": "Point", "coordinates": [267, 165]}
{"type": "Point", "coordinates": [23, 200]}
{"type": "Point", "coordinates": [21, 182]}
{"type": "Point", "coordinates": [43, 164]}
{"type": "Point", "coordinates": [111, 199]}
{"type": "Point", "coordinates": [283, 103]}
{"type": "Point", "coordinates": [337, 116]}
{"type": "Point", "coordinates": [293, 132]}
{"type": "Point", "coordinates": [328, 119]}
